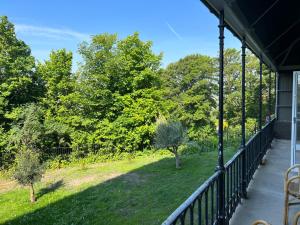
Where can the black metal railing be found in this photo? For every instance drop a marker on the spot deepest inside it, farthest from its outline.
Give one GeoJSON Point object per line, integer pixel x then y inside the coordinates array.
{"type": "Point", "coordinates": [201, 207]}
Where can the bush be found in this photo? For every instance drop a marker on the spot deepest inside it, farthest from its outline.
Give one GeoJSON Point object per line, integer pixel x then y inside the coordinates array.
{"type": "Point", "coordinates": [57, 162]}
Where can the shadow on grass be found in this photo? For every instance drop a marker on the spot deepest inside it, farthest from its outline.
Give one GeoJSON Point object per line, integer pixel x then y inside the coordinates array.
{"type": "Point", "coordinates": [50, 188]}
{"type": "Point", "coordinates": [145, 196]}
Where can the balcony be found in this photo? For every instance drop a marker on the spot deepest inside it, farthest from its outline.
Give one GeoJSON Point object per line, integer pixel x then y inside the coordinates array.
{"type": "Point", "coordinates": [250, 185]}
{"type": "Point", "coordinates": [265, 192]}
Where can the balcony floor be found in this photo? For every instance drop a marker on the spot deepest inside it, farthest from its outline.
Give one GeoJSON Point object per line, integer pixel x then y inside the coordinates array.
{"type": "Point", "coordinates": [265, 192]}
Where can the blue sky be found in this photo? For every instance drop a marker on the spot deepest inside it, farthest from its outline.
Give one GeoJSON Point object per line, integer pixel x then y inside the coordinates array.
{"type": "Point", "coordinates": [177, 28]}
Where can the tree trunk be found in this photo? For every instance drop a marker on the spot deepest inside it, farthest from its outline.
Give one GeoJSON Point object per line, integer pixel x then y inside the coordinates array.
{"type": "Point", "coordinates": [178, 164]}
{"type": "Point", "coordinates": [32, 195]}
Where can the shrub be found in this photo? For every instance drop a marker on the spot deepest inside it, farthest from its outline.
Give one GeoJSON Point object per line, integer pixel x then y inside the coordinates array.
{"type": "Point", "coordinates": [57, 162]}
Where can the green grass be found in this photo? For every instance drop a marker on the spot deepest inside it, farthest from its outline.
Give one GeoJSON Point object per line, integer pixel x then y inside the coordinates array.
{"type": "Point", "coordinates": [144, 190]}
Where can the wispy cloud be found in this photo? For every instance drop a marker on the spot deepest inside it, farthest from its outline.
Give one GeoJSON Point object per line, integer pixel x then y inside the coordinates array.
{"type": "Point", "coordinates": [173, 31]}
{"type": "Point", "coordinates": [51, 33]}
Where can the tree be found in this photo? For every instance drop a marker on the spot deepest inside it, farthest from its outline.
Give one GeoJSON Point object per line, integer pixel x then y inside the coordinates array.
{"type": "Point", "coordinates": [58, 81]}
{"type": "Point", "coordinates": [59, 84]}
{"type": "Point", "coordinates": [233, 88]}
{"type": "Point", "coordinates": [190, 86]}
{"type": "Point", "coordinates": [28, 170]}
{"type": "Point", "coordinates": [134, 128]}
{"type": "Point", "coordinates": [93, 95]}
{"type": "Point", "coordinates": [27, 137]}
{"type": "Point", "coordinates": [170, 135]}
{"type": "Point", "coordinates": [117, 96]}
{"type": "Point", "coordinates": [18, 82]}
{"type": "Point", "coordinates": [28, 130]}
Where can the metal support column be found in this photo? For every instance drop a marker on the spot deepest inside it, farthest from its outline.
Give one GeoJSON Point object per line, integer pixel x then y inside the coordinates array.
{"type": "Point", "coordinates": [260, 95]}
{"type": "Point", "coordinates": [260, 109]}
{"type": "Point", "coordinates": [243, 143]}
{"type": "Point", "coordinates": [276, 94]}
{"type": "Point", "coordinates": [220, 167]}
{"type": "Point", "coordinates": [270, 104]}
{"type": "Point", "coordinates": [270, 97]}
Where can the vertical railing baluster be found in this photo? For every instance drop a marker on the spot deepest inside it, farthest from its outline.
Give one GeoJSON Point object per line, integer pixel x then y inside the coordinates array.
{"type": "Point", "coordinates": [182, 221]}
{"type": "Point", "coordinates": [231, 188]}
{"type": "Point", "coordinates": [237, 180]}
{"type": "Point", "coordinates": [227, 192]}
{"type": "Point", "coordinates": [216, 197]}
{"type": "Point", "coordinates": [270, 97]}
{"type": "Point", "coordinates": [212, 202]}
{"type": "Point", "coordinates": [200, 210]}
{"type": "Point", "coordinates": [191, 215]}
{"type": "Point", "coordinates": [241, 175]}
{"type": "Point", "coordinates": [241, 178]}
{"type": "Point", "coordinates": [253, 151]}
{"type": "Point", "coordinates": [247, 162]}
{"type": "Point", "coordinates": [276, 94]}
{"type": "Point", "coordinates": [206, 207]}
{"type": "Point", "coordinates": [250, 162]}
{"type": "Point", "coordinates": [236, 183]}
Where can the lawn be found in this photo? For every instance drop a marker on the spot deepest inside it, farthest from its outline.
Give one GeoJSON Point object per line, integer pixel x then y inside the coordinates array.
{"type": "Point", "coordinates": [144, 190]}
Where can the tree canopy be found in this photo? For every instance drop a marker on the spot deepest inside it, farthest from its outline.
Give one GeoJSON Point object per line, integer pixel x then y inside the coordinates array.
{"type": "Point", "coordinates": [116, 96]}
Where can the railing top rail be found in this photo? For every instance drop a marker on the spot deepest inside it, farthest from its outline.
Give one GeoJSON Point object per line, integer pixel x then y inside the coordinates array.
{"type": "Point", "coordinates": [254, 136]}
{"type": "Point", "coordinates": [190, 199]}
{"type": "Point", "coordinates": [238, 153]}
{"type": "Point", "coordinates": [271, 121]}
{"type": "Point", "coordinates": [234, 157]}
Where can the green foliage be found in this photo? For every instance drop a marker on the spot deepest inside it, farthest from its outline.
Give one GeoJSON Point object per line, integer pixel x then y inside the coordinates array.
{"type": "Point", "coordinates": [134, 128]}
{"type": "Point", "coordinates": [115, 97]}
{"type": "Point", "coordinates": [251, 126]}
{"type": "Point", "coordinates": [57, 162]}
{"type": "Point", "coordinates": [18, 82]}
{"type": "Point", "coordinates": [27, 131]}
{"type": "Point", "coordinates": [27, 136]}
{"type": "Point", "coordinates": [232, 87]}
{"type": "Point", "coordinates": [28, 168]}
{"type": "Point", "coordinates": [59, 84]}
{"type": "Point", "coordinates": [57, 79]}
{"type": "Point", "coordinates": [169, 134]}
{"type": "Point", "coordinates": [5, 155]}
{"type": "Point", "coordinates": [191, 86]}
{"type": "Point", "coordinates": [28, 128]}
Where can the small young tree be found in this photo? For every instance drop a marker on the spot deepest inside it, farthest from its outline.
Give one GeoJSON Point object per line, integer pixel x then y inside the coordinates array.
{"type": "Point", "coordinates": [28, 170]}
{"type": "Point", "coordinates": [27, 137]}
{"type": "Point", "coordinates": [170, 135]}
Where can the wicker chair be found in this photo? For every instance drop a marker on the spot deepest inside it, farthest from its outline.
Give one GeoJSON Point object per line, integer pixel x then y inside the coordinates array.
{"type": "Point", "coordinates": [291, 189]}
{"type": "Point", "coordinates": [260, 222]}
{"type": "Point", "coordinates": [296, 218]}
